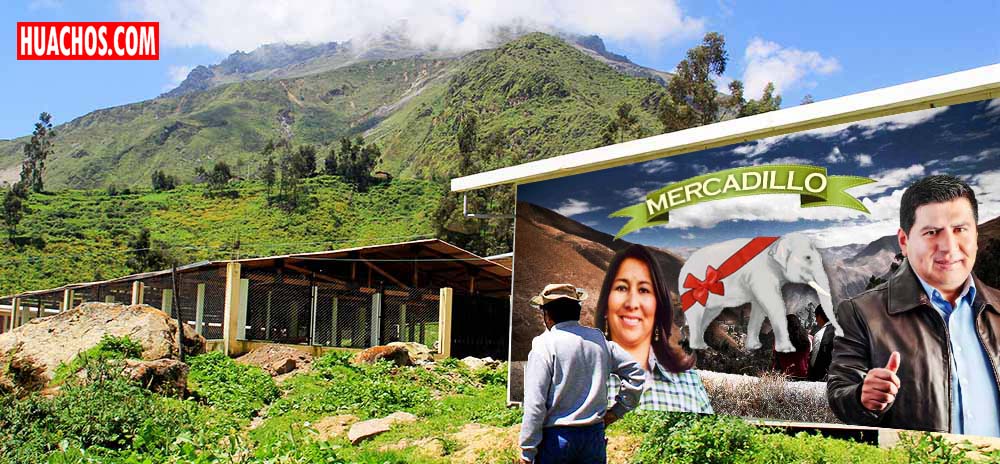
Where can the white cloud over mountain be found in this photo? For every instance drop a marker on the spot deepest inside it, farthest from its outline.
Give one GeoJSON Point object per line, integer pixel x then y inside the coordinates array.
{"type": "Point", "coordinates": [229, 25]}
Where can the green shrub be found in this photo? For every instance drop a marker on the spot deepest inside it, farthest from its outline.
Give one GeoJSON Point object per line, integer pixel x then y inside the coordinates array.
{"type": "Point", "coordinates": [27, 426]}
{"type": "Point", "coordinates": [109, 348]}
{"type": "Point", "coordinates": [230, 386]}
{"type": "Point", "coordinates": [691, 438]}
{"type": "Point", "coordinates": [331, 361]}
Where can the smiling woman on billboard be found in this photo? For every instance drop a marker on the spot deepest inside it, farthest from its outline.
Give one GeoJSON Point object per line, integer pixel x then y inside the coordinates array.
{"type": "Point", "coordinates": [634, 311]}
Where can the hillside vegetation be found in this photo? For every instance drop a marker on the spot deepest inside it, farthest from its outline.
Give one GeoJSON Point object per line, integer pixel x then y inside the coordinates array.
{"type": "Point", "coordinates": [125, 144]}
{"type": "Point", "coordinates": [536, 97]}
{"type": "Point", "coordinates": [83, 235]}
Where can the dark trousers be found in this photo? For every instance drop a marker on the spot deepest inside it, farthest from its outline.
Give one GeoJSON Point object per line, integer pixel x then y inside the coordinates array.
{"type": "Point", "coordinates": [573, 445]}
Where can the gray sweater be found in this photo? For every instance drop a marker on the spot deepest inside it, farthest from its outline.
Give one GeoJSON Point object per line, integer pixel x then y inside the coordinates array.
{"type": "Point", "coordinates": [566, 381]}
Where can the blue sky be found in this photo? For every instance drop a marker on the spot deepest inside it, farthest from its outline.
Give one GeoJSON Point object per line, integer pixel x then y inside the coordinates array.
{"type": "Point", "coordinates": [962, 140]}
{"type": "Point", "coordinates": [826, 49]}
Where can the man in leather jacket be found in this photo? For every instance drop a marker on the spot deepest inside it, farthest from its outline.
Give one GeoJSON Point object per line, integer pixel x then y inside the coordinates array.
{"type": "Point", "coordinates": [922, 351]}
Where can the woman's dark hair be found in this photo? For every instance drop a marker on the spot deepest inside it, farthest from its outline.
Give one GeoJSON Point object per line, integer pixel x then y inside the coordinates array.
{"type": "Point", "coordinates": [797, 333]}
{"type": "Point", "coordinates": [668, 353]}
{"type": "Point", "coordinates": [562, 310]}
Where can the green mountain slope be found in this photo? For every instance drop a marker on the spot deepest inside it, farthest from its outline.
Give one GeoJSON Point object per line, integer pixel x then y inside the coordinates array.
{"type": "Point", "coordinates": [82, 235]}
{"type": "Point", "coordinates": [124, 145]}
{"type": "Point", "coordinates": [538, 95]}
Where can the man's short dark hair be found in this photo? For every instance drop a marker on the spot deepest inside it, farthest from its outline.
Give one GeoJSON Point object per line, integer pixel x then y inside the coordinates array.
{"type": "Point", "coordinates": [933, 189]}
{"type": "Point", "coordinates": [562, 310]}
{"type": "Point", "coordinates": [818, 313]}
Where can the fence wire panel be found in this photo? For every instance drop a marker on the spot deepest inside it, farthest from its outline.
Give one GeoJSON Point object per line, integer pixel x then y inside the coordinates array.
{"type": "Point", "coordinates": [46, 304]}
{"type": "Point", "coordinates": [154, 289]}
{"type": "Point", "coordinates": [343, 315]}
{"type": "Point", "coordinates": [409, 315]}
{"type": "Point", "coordinates": [117, 292]}
{"type": "Point", "coordinates": [279, 306]}
{"type": "Point", "coordinates": [83, 295]}
{"type": "Point", "coordinates": [201, 300]}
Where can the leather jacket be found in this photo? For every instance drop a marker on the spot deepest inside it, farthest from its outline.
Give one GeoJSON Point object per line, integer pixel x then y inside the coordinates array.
{"type": "Point", "coordinates": [898, 316]}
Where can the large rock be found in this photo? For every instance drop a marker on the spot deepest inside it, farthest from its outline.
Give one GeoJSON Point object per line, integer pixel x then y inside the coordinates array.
{"type": "Point", "coordinates": [276, 359]}
{"type": "Point", "coordinates": [475, 363]}
{"type": "Point", "coordinates": [397, 354]}
{"type": "Point", "coordinates": [419, 354]}
{"type": "Point", "coordinates": [166, 376]}
{"type": "Point", "coordinates": [364, 430]}
{"type": "Point", "coordinates": [52, 340]}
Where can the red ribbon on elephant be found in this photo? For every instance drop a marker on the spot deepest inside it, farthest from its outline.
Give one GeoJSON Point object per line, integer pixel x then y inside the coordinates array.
{"type": "Point", "coordinates": [699, 289]}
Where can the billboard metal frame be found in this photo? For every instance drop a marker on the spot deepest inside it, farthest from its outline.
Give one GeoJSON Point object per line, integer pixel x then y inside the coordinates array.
{"type": "Point", "coordinates": [950, 89]}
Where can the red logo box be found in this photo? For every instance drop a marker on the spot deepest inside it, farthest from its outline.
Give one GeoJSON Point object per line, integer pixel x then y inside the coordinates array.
{"type": "Point", "coordinates": [88, 41]}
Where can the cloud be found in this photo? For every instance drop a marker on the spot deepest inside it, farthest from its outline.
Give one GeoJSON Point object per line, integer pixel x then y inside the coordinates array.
{"type": "Point", "coordinates": [657, 166]}
{"type": "Point", "coordinates": [176, 74]}
{"type": "Point", "coordinates": [785, 67]}
{"type": "Point", "coordinates": [868, 128]}
{"type": "Point", "coordinates": [993, 109]}
{"type": "Point", "coordinates": [689, 236]}
{"type": "Point", "coordinates": [573, 207]}
{"type": "Point", "coordinates": [634, 194]}
{"type": "Point", "coordinates": [984, 184]}
{"type": "Point", "coordinates": [45, 5]}
{"type": "Point", "coordinates": [781, 160]}
{"type": "Point", "coordinates": [229, 25]}
{"type": "Point", "coordinates": [888, 179]}
{"type": "Point", "coordinates": [863, 160]}
{"type": "Point", "coordinates": [835, 156]}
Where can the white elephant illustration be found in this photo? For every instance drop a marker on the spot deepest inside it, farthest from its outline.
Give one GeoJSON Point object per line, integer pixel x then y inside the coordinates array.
{"type": "Point", "coordinates": [739, 271]}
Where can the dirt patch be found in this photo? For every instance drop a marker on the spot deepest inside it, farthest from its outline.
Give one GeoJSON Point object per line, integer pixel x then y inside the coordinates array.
{"type": "Point", "coordinates": [476, 441]}
{"type": "Point", "coordinates": [622, 447]}
{"type": "Point", "coordinates": [277, 360]}
{"type": "Point", "coordinates": [334, 426]}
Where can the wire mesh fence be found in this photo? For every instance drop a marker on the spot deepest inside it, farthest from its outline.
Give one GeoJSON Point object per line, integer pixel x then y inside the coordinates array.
{"type": "Point", "coordinates": [343, 315]}
{"type": "Point", "coordinates": [293, 307]}
{"type": "Point", "coordinates": [410, 315]}
{"type": "Point", "coordinates": [279, 305]}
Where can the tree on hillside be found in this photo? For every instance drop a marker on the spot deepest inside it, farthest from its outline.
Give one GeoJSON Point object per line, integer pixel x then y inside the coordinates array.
{"type": "Point", "coordinates": [692, 99]}
{"type": "Point", "coordinates": [355, 161]}
{"type": "Point", "coordinates": [218, 178]}
{"type": "Point", "coordinates": [624, 126]}
{"type": "Point", "coordinates": [163, 182]}
{"type": "Point", "coordinates": [145, 255]}
{"type": "Point", "coordinates": [465, 135]}
{"type": "Point", "coordinates": [330, 163]}
{"type": "Point", "coordinates": [13, 209]}
{"type": "Point", "coordinates": [290, 185]}
{"type": "Point", "coordinates": [303, 161]}
{"type": "Point", "coordinates": [36, 152]}
{"type": "Point", "coordinates": [268, 174]}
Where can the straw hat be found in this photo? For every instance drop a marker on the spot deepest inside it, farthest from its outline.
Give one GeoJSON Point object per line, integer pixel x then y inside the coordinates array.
{"type": "Point", "coordinates": [553, 292]}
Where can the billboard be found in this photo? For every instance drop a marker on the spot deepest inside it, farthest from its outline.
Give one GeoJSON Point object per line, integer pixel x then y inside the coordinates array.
{"type": "Point", "coordinates": [775, 267]}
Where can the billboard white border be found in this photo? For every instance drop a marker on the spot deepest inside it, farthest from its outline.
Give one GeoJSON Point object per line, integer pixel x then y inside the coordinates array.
{"type": "Point", "coordinates": [975, 84]}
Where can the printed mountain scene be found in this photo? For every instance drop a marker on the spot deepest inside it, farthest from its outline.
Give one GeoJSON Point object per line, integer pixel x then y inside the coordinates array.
{"type": "Point", "coordinates": [564, 232]}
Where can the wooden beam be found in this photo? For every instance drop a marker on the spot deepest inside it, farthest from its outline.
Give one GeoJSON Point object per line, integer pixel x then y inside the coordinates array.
{"type": "Point", "coordinates": [385, 274]}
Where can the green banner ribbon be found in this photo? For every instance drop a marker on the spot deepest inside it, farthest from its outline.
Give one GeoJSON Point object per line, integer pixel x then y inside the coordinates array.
{"type": "Point", "coordinates": [812, 183]}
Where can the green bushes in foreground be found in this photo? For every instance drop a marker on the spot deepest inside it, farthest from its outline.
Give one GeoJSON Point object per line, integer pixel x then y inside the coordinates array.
{"type": "Point", "coordinates": [230, 386]}
{"type": "Point", "coordinates": [105, 418]}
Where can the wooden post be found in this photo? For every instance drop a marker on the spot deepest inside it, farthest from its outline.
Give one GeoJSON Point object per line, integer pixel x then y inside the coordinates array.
{"type": "Point", "coordinates": [231, 311]}
{"type": "Point", "coordinates": [314, 296]}
{"type": "Point", "coordinates": [241, 320]}
{"type": "Point", "coordinates": [444, 321]}
{"type": "Point", "coordinates": [15, 309]}
{"type": "Point", "coordinates": [137, 290]}
{"type": "Point", "coordinates": [167, 302]}
{"type": "Point", "coordinates": [67, 303]}
{"type": "Point", "coordinates": [199, 309]}
{"type": "Point", "coordinates": [376, 319]}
